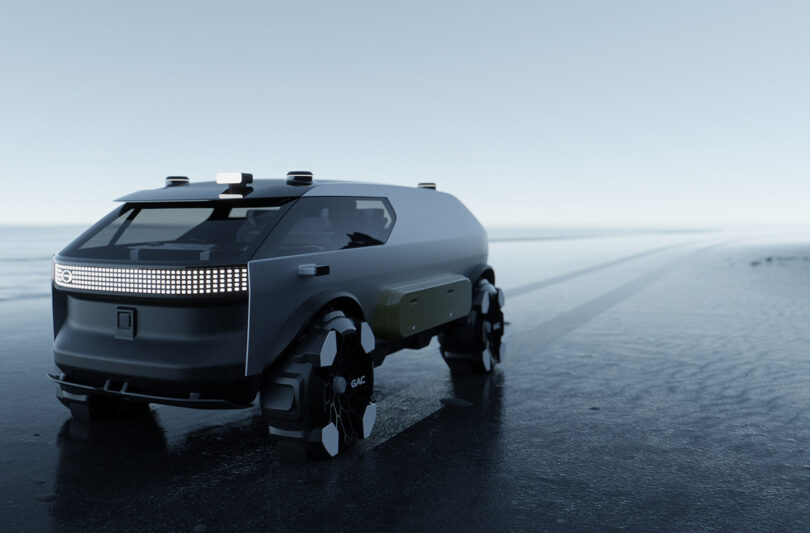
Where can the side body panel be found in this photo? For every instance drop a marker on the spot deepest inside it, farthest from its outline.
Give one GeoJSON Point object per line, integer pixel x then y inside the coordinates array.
{"type": "Point", "coordinates": [405, 310]}
{"type": "Point", "coordinates": [434, 235]}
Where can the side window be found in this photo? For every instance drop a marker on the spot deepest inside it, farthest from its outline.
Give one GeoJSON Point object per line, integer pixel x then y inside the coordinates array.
{"type": "Point", "coordinates": [331, 223]}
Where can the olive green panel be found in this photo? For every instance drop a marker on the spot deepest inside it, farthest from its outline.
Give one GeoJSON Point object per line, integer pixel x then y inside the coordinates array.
{"type": "Point", "coordinates": [411, 308]}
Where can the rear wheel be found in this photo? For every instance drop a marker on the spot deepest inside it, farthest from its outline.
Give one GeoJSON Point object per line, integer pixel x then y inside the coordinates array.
{"type": "Point", "coordinates": [475, 344]}
{"type": "Point", "coordinates": [319, 395]}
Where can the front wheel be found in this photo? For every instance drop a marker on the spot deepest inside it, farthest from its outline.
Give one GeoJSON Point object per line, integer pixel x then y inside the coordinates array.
{"type": "Point", "coordinates": [475, 344]}
{"type": "Point", "coordinates": [319, 394]}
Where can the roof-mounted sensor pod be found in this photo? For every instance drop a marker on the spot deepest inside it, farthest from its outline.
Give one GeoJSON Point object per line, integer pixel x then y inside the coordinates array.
{"type": "Point", "coordinates": [234, 178]}
{"type": "Point", "coordinates": [427, 185]}
{"type": "Point", "coordinates": [237, 183]}
{"type": "Point", "coordinates": [174, 181]}
{"type": "Point", "coordinates": [299, 177]}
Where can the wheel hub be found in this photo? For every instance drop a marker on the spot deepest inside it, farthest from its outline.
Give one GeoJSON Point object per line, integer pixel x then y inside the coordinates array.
{"type": "Point", "coordinates": [338, 385]}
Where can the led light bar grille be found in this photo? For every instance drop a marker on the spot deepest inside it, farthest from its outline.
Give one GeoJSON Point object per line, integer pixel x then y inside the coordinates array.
{"type": "Point", "coordinates": [154, 281]}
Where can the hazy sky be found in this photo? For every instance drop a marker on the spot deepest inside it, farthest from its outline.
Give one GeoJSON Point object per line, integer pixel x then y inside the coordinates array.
{"type": "Point", "coordinates": [541, 113]}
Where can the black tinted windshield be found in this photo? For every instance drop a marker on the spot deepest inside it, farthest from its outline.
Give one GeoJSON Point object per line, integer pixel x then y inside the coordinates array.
{"type": "Point", "coordinates": [214, 232]}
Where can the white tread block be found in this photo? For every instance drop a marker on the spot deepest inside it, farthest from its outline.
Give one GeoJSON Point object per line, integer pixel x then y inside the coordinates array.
{"type": "Point", "coordinates": [369, 417]}
{"type": "Point", "coordinates": [367, 340]}
{"type": "Point", "coordinates": [330, 438]}
{"type": "Point", "coordinates": [329, 349]}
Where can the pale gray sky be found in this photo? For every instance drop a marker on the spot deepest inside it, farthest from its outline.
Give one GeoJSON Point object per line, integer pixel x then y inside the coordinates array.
{"type": "Point", "coordinates": [540, 113]}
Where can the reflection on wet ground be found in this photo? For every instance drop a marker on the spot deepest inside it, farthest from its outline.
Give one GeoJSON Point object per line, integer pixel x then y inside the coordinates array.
{"type": "Point", "coordinates": [649, 383]}
{"type": "Point", "coordinates": [218, 476]}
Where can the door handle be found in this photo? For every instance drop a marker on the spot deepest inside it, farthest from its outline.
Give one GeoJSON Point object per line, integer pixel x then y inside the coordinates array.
{"type": "Point", "coordinates": [312, 269]}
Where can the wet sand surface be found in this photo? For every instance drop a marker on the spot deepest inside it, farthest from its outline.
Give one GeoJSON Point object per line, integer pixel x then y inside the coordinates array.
{"type": "Point", "coordinates": [651, 382]}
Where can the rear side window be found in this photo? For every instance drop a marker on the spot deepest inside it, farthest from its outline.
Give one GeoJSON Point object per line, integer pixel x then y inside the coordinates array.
{"type": "Point", "coordinates": [331, 223]}
{"type": "Point", "coordinates": [187, 234]}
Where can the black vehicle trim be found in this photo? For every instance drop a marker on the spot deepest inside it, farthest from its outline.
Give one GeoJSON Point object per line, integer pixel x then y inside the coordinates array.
{"type": "Point", "coordinates": [208, 190]}
{"type": "Point", "coordinates": [200, 403]}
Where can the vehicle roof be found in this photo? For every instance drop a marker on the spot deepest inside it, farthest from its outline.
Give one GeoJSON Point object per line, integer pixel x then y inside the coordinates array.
{"type": "Point", "coordinates": [261, 188]}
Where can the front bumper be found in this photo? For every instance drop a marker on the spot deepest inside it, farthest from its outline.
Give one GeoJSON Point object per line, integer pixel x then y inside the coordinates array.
{"type": "Point", "coordinates": [73, 391]}
{"type": "Point", "coordinates": [178, 353]}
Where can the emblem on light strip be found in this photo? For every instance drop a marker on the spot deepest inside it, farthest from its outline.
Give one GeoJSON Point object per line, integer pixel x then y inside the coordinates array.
{"type": "Point", "coordinates": [65, 276]}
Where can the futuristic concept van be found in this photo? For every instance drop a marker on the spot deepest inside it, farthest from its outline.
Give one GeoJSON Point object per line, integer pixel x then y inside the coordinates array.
{"type": "Point", "coordinates": [207, 294]}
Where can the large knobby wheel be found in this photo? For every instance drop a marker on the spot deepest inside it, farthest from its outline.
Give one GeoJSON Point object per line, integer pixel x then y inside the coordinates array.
{"type": "Point", "coordinates": [320, 393]}
{"type": "Point", "coordinates": [475, 344]}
